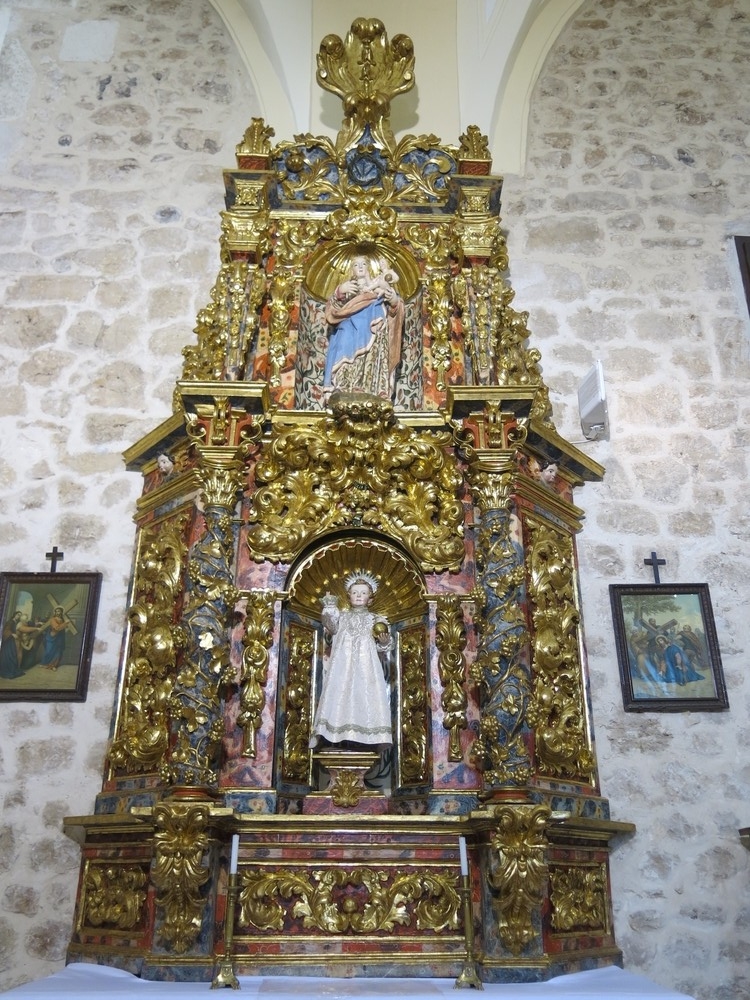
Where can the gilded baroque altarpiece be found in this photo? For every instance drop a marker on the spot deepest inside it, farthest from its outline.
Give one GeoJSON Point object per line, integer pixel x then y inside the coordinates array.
{"type": "Point", "coordinates": [360, 399]}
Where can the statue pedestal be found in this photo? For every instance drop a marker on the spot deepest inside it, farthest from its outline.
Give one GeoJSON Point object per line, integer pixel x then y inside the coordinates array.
{"type": "Point", "coordinates": [346, 790]}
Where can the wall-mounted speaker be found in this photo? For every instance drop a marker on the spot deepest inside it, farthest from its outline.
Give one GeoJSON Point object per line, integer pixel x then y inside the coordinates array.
{"type": "Point", "coordinates": [592, 405]}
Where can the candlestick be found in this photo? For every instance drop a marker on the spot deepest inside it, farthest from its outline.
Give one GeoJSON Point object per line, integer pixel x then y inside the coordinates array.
{"type": "Point", "coordinates": [468, 977]}
{"type": "Point", "coordinates": [225, 974]}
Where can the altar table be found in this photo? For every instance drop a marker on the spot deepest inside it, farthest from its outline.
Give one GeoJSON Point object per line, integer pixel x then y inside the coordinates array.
{"type": "Point", "coordinates": [96, 982]}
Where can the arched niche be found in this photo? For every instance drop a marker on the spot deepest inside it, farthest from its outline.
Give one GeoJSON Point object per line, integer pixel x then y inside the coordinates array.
{"type": "Point", "coordinates": [401, 599]}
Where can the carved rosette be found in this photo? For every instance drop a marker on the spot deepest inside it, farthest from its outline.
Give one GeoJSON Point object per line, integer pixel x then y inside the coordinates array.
{"type": "Point", "coordinates": [358, 468]}
{"type": "Point", "coordinates": [450, 639]}
{"type": "Point", "coordinates": [355, 901]}
{"type": "Point", "coordinates": [557, 712]}
{"type": "Point", "coordinates": [181, 840]}
{"type": "Point", "coordinates": [518, 871]}
{"type": "Point", "coordinates": [256, 642]}
{"type": "Point", "coordinates": [114, 895]}
{"type": "Point", "coordinates": [142, 735]}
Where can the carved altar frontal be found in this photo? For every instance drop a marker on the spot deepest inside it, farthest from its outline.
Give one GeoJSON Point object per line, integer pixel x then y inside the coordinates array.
{"type": "Point", "coordinates": [353, 733]}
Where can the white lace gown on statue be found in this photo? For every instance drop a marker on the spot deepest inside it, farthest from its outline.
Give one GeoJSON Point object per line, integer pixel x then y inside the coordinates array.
{"type": "Point", "coordinates": [354, 701]}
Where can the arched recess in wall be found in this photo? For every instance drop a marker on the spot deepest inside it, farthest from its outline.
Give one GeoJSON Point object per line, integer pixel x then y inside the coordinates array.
{"type": "Point", "coordinates": [509, 127]}
{"type": "Point", "coordinates": [255, 42]}
{"type": "Point", "coordinates": [500, 48]}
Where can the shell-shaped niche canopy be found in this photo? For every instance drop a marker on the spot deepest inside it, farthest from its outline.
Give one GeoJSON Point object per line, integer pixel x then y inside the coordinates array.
{"type": "Point", "coordinates": [332, 262]}
{"type": "Point", "coordinates": [400, 592]}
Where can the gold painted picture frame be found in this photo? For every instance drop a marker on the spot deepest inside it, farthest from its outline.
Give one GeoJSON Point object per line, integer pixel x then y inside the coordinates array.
{"type": "Point", "coordinates": [667, 648]}
{"type": "Point", "coordinates": [47, 623]}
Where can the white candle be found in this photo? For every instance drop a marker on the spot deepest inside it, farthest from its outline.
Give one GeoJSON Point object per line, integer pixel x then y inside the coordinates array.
{"type": "Point", "coordinates": [235, 852]}
{"type": "Point", "coordinates": [462, 853]}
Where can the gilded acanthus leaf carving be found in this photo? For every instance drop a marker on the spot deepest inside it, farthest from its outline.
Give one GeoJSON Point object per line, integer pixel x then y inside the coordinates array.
{"type": "Point", "coordinates": [256, 642]}
{"type": "Point", "coordinates": [180, 843]}
{"type": "Point", "coordinates": [578, 896]}
{"type": "Point", "coordinates": [366, 70]}
{"type": "Point", "coordinates": [114, 895]}
{"type": "Point", "coordinates": [450, 639]}
{"type": "Point", "coordinates": [356, 901]}
{"type": "Point", "coordinates": [414, 732]}
{"type": "Point", "coordinates": [557, 711]}
{"type": "Point", "coordinates": [295, 763]}
{"type": "Point", "coordinates": [359, 467]}
{"type": "Point", "coordinates": [142, 733]}
{"type": "Point", "coordinates": [518, 870]}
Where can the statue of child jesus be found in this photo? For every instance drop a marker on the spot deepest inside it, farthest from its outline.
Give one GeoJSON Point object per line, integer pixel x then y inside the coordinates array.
{"type": "Point", "coordinates": [354, 703]}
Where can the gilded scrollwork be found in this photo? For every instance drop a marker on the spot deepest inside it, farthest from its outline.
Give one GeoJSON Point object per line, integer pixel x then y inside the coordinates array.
{"type": "Point", "coordinates": [518, 870]}
{"type": "Point", "coordinates": [365, 69]}
{"type": "Point", "coordinates": [578, 898]}
{"type": "Point", "coordinates": [450, 639]}
{"type": "Point", "coordinates": [557, 712]}
{"type": "Point", "coordinates": [295, 763]}
{"type": "Point", "coordinates": [355, 901]}
{"type": "Point", "coordinates": [358, 467]}
{"type": "Point", "coordinates": [439, 310]}
{"type": "Point", "coordinates": [414, 708]}
{"type": "Point", "coordinates": [114, 895]}
{"type": "Point", "coordinates": [155, 639]}
{"type": "Point", "coordinates": [181, 840]}
{"type": "Point", "coordinates": [256, 641]}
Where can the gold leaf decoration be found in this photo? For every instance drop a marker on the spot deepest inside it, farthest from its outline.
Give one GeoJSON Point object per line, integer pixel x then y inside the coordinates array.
{"type": "Point", "coordinates": [557, 712]}
{"type": "Point", "coordinates": [578, 897]}
{"type": "Point", "coordinates": [358, 468]}
{"type": "Point", "coordinates": [114, 895]}
{"type": "Point", "coordinates": [180, 843]}
{"type": "Point", "coordinates": [356, 901]}
{"type": "Point", "coordinates": [258, 637]}
{"type": "Point", "coordinates": [450, 639]}
{"type": "Point", "coordinates": [142, 733]}
{"type": "Point", "coordinates": [518, 870]}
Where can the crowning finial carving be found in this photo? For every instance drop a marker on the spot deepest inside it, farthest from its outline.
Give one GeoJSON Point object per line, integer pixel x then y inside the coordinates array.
{"type": "Point", "coordinates": [366, 70]}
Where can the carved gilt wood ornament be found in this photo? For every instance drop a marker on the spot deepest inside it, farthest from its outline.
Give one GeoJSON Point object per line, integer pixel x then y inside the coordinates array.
{"type": "Point", "coordinates": [360, 497]}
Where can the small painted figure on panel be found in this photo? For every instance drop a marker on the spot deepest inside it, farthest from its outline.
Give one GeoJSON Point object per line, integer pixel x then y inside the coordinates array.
{"type": "Point", "coordinates": [354, 705]}
{"type": "Point", "coordinates": [366, 316]}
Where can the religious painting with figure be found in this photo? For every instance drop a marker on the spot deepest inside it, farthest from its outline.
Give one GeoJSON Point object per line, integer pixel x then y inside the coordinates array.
{"type": "Point", "coordinates": [667, 648]}
{"type": "Point", "coordinates": [48, 622]}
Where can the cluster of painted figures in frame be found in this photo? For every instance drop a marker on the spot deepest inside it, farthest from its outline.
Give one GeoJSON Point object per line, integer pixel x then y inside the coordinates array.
{"type": "Point", "coordinates": [667, 648]}
{"type": "Point", "coordinates": [47, 623]}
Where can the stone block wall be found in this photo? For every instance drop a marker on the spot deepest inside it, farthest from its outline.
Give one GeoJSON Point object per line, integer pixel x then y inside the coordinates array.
{"type": "Point", "coordinates": [115, 122]}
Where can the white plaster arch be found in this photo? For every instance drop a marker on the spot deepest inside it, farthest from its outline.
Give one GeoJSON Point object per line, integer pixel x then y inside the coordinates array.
{"type": "Point", "coordinates": [494, 58]}
{"type": "Point", "coordinates": [509, 127]}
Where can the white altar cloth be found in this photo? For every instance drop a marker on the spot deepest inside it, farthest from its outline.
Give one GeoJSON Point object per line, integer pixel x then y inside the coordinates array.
{"type": "Point", "coordinates": [97, 982]}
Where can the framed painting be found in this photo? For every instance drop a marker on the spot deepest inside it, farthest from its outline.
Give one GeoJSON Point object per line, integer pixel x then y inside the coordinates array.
{"type": "Point", "coordinates": [667, 648]}
{"type": "Point", "coordinates": [48, 622]}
